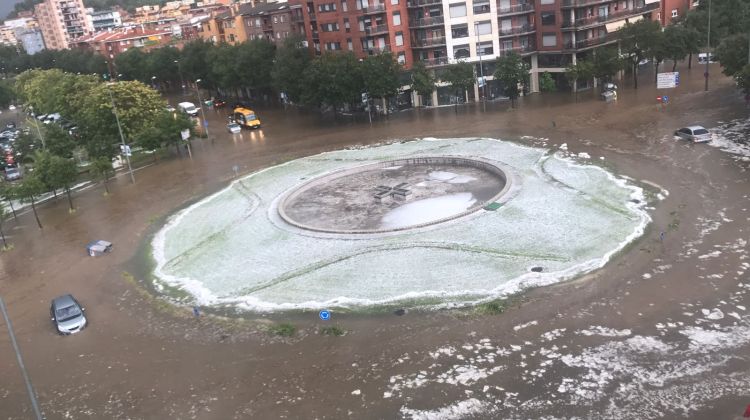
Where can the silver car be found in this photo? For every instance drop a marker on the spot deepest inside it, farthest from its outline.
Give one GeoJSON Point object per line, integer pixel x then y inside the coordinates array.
{"type": "Point", "coordinates": [67, 315]}
{"type": "Point", "coordinates": [694, 133]}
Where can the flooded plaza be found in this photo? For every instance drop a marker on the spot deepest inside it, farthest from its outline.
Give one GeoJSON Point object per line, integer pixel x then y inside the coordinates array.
{"type": "Point", "coordinates": [657, 328]}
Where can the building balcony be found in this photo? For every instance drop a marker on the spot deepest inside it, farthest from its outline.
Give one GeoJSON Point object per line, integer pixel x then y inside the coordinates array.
{"type": "Point", "coordinates": [377, 50]}
{"type": "Point", "coordinates": [591, 42]}
{"type": "Point", "coordinates": [315, 35]}
{"type": "Point", "coordinates": [435, 62]}
{"type": "Point", "coordinates": [580, 3]}
{"type": "Point", "coordinates": [420, 3]}
{"type": "Point", "coordinates": [427, 22]}
{"type": "Point", "coordinates": [515, 9]}
{"type": "Point", "coordinates": [582, 23]}
{"type": "Point", "coordinates": [376, 30]}
{"type": "Point", "coordinates": [312, 16]}
{"type": "Point", "coordinates": [516, 30]}
{"type": "Point", "coordinates": [373, 10]}
{"type": "Point", "coordinates": [428, 42]}
{"type": "Point", "coordinates": [523, 49]}
{"type": "Point", "coordinates": [299, 18]}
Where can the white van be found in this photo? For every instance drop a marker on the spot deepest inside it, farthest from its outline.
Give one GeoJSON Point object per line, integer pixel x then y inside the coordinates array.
{"type": "Point", "coordinates": [188, 108]}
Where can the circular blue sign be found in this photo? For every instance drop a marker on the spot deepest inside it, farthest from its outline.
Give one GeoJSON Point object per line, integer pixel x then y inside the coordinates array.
{"type": "Point", "coordinates": [324, 315]}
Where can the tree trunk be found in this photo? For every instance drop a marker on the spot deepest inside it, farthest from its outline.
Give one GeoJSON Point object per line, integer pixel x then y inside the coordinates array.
{"type": "Point", "coordinates": [2, 233]}
{"type": "Point", "coordinates": [690, 61]}
{"type": "Point", "coordinates": [674, 65]}
{"type": "Point", "coordinates": [10, 203]}
{"type": "Point", "coordinates": [70, 199]}
{"type": "Point", "coordinates": [656, 70]}
{"type": "Point", "coordinates": [33, 207]}
{"type": "Point", "coordinates": [635, 74]}
{"type": "Point", "coordinates": [106, 183]}
{"type": "Point", "coordinates": [54, 193]}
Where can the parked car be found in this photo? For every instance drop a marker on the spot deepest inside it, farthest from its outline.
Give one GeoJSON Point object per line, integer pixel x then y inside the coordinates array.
{"type": "Point", "coordinates": [234, 128]}
{"type": "Point", "coordinates": [67, 315]}
{"type": "Point", "coordinates": [170, 108]}
{"type": "Point", "coordinates": [188, 108]}
{"type": "Point", "coordinates": [694, 133]}
{"type": "Point", "coordinates": [12, 174]}
{"type": "Point", "coordinates": [12, 108]}
{"type": "Point", "coordinates": [219, 103]}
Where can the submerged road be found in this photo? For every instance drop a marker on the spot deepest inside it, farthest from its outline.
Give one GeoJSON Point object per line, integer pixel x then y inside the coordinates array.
{"type": "Point", "coordinates": [662, 331]}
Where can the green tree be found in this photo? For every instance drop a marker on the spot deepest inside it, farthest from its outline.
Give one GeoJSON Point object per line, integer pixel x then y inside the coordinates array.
{"type": "Point", "coordinates": [63, 173]}
{"type": "Point", "coordinates": [102, 169]}
{"type": "Point", "coordinates": [380, 74]}
{"type": "Point", "coordinates": [732, 53]}
{"type": "Point", "coordinates": [194, 62]}
{"type": "Point", "coordinates": [25, 146]}
{"type": "Point", "coordinates": [637, 41]}
{"type": "Point", "coordinates": [253, 64]}
{"type": "Point", "coordinates": [512, 72]}
{"type": "Point", "coordinates": [133, 65]}
{"type": "Point", "coordinates": [3, 217]}
{"type": "Point", "coordinates": [333, 80]}
{"type": "Point", "coordinates": [28, 190]}
{"type": "Point", "coordinates": [659, 51]}
{"type": "Point", "coordinates": [224, 71]}
{"type": "Point", "coordinates": [165, 130]}
{"type": "Point", "coordinates": [547, 83]}
{"type": "Point", "coordinates": [58, 141]}
{"type": "Point", "coordinates": [606, 63]}
{"type": "Point", "coordinates": [743, 79]}
{"type": "Point", "coordinates": [581, 70]}
{"type": "Point", "coordinates": [422, 80]}
{"type": "Point", "coordinates": [676, 39]}
{"type": "Point", "coordinates": [9, 192]}
{"type": "Point", "coordinates": [7, 93]}
{"type": "Point", "coordinates": [161, 64]}
{"type": "Point", "coordinates": [291, 61]}
{"type": "Point", "coordinates": [461, 76]}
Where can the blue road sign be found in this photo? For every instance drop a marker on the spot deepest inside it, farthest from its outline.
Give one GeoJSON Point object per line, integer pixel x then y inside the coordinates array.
{"type": "Point", "coordinates": [205, 124]}
{"type": "Point", "coordinates": [665, 99]}
{"type": "Point", "coordinates": [677, 79]}
{"type": "Point", "coordinates": [324, 315]}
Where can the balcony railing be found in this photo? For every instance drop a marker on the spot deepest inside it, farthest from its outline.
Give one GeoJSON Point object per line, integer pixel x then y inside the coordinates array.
{"type": "Point", "coordinates": [590, 42]}
{"type": "Point", "coordinates": [420, 3]}
{"type": "Point", "coordinates": [428, 42]}
{"type": "Point", "coordinates": [378, 50]}
{"type": "Point", "coordinates": [298, 18]}
{"type": "Point", "coordinates": [427, 22]}
{"type": "Point", "coordinates": [518, 50]}
{"type": "Point", "coordinates": [579, 3]}
{"type": "Point", "coordinates": [373, 10]}
{"type": "Point", "coordinates": [312, 15]}
{"type": "Point", "coordinates": [620, 14]}
{"type": "Point", "coordinates": [434, 62]}
{"type": "Point", "coordinates": [516, 8]}
{"type": "Point", "coordinates": [376, 30]}
{"type": "Point", "coordinates": [315, 35]}
{"type": "Point", "coordinates": [515, 30]}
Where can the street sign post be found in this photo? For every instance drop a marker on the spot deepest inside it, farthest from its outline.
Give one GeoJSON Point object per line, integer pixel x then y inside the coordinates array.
{"type": "Point", "coordinates": [667, 80]}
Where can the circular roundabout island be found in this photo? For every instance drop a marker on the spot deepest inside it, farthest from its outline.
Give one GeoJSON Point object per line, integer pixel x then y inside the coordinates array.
{"type": "Point", "coordinates": [424, 223]}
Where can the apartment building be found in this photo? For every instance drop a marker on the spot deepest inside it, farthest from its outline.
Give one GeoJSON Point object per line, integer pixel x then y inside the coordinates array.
{"type": "Point", "coordinates": [105, 20]}
{"type": "Point", "coordinates": [674, 9]}
{"type": "Point", "coordinates": [31, 39]}
{"type": "Point", "coordinates": [62, 22]}
{"type": "Point", "coordinates": [112, 43]}
{"type": "Point", "coordinates": [364, 27]}
{"type": "Point", "coordinates": [271, 21]}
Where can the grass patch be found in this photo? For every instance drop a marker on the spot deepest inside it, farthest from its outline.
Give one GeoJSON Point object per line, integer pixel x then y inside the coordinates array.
{"type": "Point", "coordinates": [282, 330]}
{"type": "Point", "coordinates": [9, 247]}
{"type": "Point", "coordinates": [493, 307]}
{"type": "Point", "coordinates": [333, 330]}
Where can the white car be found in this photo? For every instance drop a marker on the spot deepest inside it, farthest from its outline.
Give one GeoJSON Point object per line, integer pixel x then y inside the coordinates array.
{"type": "Point", "coordinates": [694, 133]}
{"type": "Point", "coordinates": [234, 128]}
{"type": "Point", "coordinates": [12, 108]}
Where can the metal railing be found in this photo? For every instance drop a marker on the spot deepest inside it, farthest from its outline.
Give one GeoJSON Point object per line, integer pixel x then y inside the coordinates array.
{"type": "Point", "coordinates": [373, 9]}
{"type": "Point", "coordinates": [419, 3]}
{"type": "Point", "coordinates": [590, 42]}
{"type": "Point", "coordinates": [434, 62]}
{"type": "Point", "coordinates": [373, 30]}
{"type": "Point", "coordinates": [428, 42]}
{"type": "Point", "coordinates": [620, 14]}
{"type": "Point", "coordinates": [518, 50]}
{"type": "Point", "coordinates": [516, 8]}
{"type": "Point", "coordinates": [516, 30]}
{"type": "Point", "coordinates": [428, 21]}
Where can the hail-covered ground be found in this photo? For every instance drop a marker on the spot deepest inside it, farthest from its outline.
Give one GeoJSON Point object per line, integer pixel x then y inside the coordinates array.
{"type": "Point", "coordinates": [562, 216]}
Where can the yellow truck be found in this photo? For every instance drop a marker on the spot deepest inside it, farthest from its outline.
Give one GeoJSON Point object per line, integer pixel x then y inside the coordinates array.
{"type": "Point", "coordinates": [246, 118]}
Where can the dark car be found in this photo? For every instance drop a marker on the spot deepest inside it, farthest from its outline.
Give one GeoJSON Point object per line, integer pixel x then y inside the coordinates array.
{"type": "Point", "coordinates": [219, 103]}
{"type": "Point", "coordinates": [67, 315]}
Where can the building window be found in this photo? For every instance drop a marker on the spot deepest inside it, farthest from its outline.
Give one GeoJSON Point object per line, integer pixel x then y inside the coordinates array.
{"type": "Point", "coordinates": [257, 22]}
{"type": "Point", "coordinates": [461, 51]}
{"type": "Point", "coordinates": [333, 46]}
{"type": "Point", "coordinates": [460, 31]}
{"type": "Point", "coordinates": [344, 6]}
{"type": "Point", "coordinates": [394, 2]}
{"type": "Point", "coordinates": [547, 2]}
{"type": "Point", "coordinates": [485, 48]}
{"type": "Point", "coordinates": [401, 58]}
{"type": "Point", "coordinates": [396, 18]}
{"type": "Point", "coordinates": [349, 44]}
{"type": "Point", "coordinates": [281, 18]}
{"type": "Point", "coordinates": [484, 28]}
{"type": "Point", "coordinates": [674, 13]}
{"type": "Point", "coordinates": [399, 39]}
{"type": "Point", "coordinates": [481, 6]}
{"type": "Point", "coordinates": [347, 26]}
{"type": "Point", "coordinates": [275, 19]}
{"type": "Point", "coordinates": [328, 7]}
{"type": "Point", "coordinates": [329, 27]}
{"type": "Point", "coordinates": [548, 18]}
{"type": "Point", "coordinates": [549, 40]}
{"type": "Point", "coordinates": [458, 10]}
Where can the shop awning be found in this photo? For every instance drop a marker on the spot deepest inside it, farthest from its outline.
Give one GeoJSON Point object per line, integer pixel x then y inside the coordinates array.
{"type": "Point", "coordinates": [634, 19]}
{"type": "Point", "coordinates": [652, 1]}
{"type": "Point", "coordinates": [614, 26]}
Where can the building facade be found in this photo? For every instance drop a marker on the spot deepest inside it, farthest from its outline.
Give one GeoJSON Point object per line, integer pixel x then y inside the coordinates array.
{"type": "Point", "coordinates": [62, 22]}
{"type": "Point", "coordinates": [105, 20]}
{"type": "Point", "coordinates": [271, 21]}
{"type": "Point", "coordinates": [31, 40]}
{"type": "Point", "coordinates": [110, 44]}
{"type": "Point", "coordinates": [674, 9]}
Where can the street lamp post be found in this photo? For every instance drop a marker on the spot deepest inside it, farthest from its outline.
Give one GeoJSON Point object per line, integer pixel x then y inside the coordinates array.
{"type": "Point", "coordinates": [122, 137]}
{"type": "Point", "coordinates": [203, 113]}
{"type": "Point", "coordinates": [182, 81]}
{"type": "Point", "coordinates": [708, 44]}
{"type": "Point", "coordinates": [481, 70]}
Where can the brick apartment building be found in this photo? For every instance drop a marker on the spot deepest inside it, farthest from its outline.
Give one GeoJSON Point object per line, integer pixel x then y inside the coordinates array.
{"type": "Point", "coordinates": [112, 43]}
{"type": "Point", "coordinates": [674, 9]}
{"type": "Point", "coordinates": [272, 21]}
{"type": "Point", "coordinates": [62, 22]}
{"type": "Point", "coordinates": [550, 34]}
